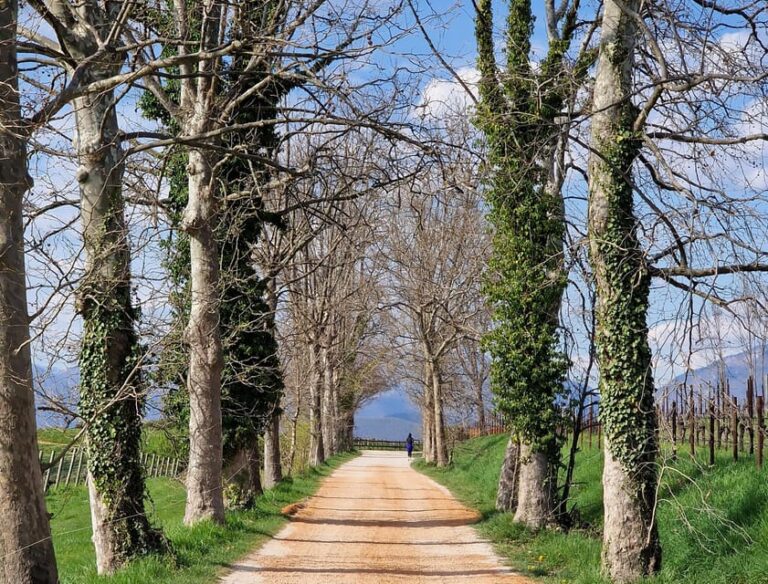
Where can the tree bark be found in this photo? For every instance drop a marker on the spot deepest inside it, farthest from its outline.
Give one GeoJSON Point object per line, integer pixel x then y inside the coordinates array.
{"type": "Point", "coordinates": [26, 550]}
{"type": "Point", "coordinates": [631, 548]}
{"type": "Point", "coordinates": [535, 506]}
{"type": "Point", "coordinates": [506, 496]}
{"type": "Point", "coordinates": [427, 419]}
{"type": "Point", "coordinates": [273, 470]}
{"type": "Point", "coordinates": [441, 448]}
{"type": "Point", "coordinates": [204, 481]}
{"type": "Point", "coordinates": [480, 405]}
{"type": "Point", "coordinates": [328, 422]}
{"type": "Point", "coordinates": [316, 446]}
{"type": "Point", "coordinates": [111, 396]}
{"type": "Point", "coordinates": [255, 486]}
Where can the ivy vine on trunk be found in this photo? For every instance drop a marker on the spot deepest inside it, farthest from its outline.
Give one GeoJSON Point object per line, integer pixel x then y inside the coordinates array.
{"type": "Point", "coordinates": [519, 115]}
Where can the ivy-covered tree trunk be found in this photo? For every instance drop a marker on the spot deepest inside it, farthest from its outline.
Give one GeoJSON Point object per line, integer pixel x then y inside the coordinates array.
{"type": "Point", "coordinates": [506, 494]}
{"type": "Point", "coordinates": [526, 278]}
{"type": "Point", "coordinates": [111, 393]}
{"type": "Point", "coordinates": [204, 477]}
{"type": "Point", "coordinates": [26, 549]}
{"type": "Point", "coordinates": [631, 548]}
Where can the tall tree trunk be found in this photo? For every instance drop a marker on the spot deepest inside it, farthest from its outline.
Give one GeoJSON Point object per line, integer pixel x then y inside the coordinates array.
{"type": "Point", "coordinates": [273, 466]}
{"type": "Point", "coordinates": [427, 418]}
{"type": "Point", "coordinates": [273, 470]}
{"type": "Point", "coordinates": [631, 548]}
{"type": "Point", "coordinates": [480, 403]}
{"type": "Point", "coordinates": [506, 495]}
{"type": "Point", "coordinates": [535, 504]}
{"type": "Point", "coordinates": [441, 448]}
{"type": "Point", "coordinates": [294, 431]}
{"type": "Point", "coordinates": [329, 423]}
{"type": "Point", "coordinates": [346, 431]}
{"type": "Point", "coordinates": [255, 486]}
{"type": "Point", "coordinates": [316, 446]}
{"type": "Point", "coordinates": [204, 481]}
{"type": "Point", "coordinates": [111, 396]}
{"type": "Point", "coordinates": [26, 550]}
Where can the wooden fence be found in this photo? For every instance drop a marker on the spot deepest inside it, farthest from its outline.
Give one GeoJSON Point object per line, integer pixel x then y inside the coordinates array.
{"type": "Point", "coordinates": [494, 424]}
{"type": "Point", "coordinates": [71, 469]}
{"type": "Point", "coordinates": [374, 444]}
{"type": "Point", "coordinates": [698, 419]}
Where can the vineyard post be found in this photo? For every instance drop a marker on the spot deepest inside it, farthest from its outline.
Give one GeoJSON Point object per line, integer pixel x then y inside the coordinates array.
{"type": "Point", "coordinates": [711, 432]}
{"type": "Point", "coordinates": [735, 427]}
{"type": "Point", "coordinates": [674, 430]}
{"type": "Point", "coordinates": [692, 422]}
{"type": "Point", "coordinates": [760, 429]}
{"type": "Point", "coordinates": [751, 413]}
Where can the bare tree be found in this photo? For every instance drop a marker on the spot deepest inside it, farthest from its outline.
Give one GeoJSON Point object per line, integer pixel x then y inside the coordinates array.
{"type": "Point", "coordinates": [26, 550]}
{"type": "Point", "coordinates": [434, 276]}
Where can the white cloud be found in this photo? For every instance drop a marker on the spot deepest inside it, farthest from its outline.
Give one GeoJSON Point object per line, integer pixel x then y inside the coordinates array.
{"type": "Point", "coordinates": [447, 97]}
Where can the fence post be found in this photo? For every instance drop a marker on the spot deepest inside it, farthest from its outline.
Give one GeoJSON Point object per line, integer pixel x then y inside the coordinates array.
{"type": "Point", "coordinates": [711, 431]}
{"type": "Point", "coordinates": [71, 464]}
{"type": "Point", "coordinates": [760, 430]}
{"type": "Point", "coordinates": [751, 413]}
{"type": "Point", "coordinates": [48, 472]}
{"type": "Point", "coordinates": [735, 427]}
{"type": "Point", "coordinates": [79, 465]}
{"type": "Point", "coordinates": [674, 430]}
{"type": "Point", "coordinates": [719, 412]}
{"type": "Point", "coordinates": [692, 422]}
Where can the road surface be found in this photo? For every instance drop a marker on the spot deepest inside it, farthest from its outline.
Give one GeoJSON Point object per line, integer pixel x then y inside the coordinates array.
{"type": "Point", "coordinates": [376, 520]}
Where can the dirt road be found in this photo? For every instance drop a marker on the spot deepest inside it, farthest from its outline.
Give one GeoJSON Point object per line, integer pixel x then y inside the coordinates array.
{"type": "Point", "coordinates": [376, 520]}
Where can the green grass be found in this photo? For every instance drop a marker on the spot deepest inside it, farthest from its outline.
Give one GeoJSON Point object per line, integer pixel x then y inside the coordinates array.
{"type": "Point", "coordinates": [713, 522]}
{"type": "Point", "coordinates": [200, 553]}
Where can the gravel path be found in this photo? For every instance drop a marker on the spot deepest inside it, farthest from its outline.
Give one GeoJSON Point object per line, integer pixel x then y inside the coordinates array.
{"type": "Point", "coordinates": [376, 520]}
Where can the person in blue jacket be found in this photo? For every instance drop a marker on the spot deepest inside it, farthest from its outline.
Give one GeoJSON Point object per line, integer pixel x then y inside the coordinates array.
{"type": "Point", "coordinates": [409, 445]}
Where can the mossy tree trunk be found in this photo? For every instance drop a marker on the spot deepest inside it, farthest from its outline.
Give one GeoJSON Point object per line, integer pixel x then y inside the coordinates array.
{"type": "Point", "coordinates": [26, 549]}
{"type": "Point", "coordinates": [631, 548]}
{"type": "Point", "coordinates": [111, 390]}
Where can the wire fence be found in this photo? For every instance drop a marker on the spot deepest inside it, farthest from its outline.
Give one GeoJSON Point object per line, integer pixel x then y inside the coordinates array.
{"type": "Point", "coordinates": [72, 467]}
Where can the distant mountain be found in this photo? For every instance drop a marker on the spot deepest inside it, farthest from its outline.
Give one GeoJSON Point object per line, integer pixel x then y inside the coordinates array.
{"type": "Point", "coordinates": [737, 370]}
{"type": "Point", "coordinates": [386, 428]}
{"type": "Point", "coordinates": [389, 416]}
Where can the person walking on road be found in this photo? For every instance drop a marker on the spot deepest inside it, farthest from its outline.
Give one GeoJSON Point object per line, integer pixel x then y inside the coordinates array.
{"type": "Point", "coordinates": [409, 445]}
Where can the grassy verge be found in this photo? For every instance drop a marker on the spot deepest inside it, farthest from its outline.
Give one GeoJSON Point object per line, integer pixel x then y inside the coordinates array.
{"type": "Point", "coordinates": [201, 552]}
{"type": "Point", "coordinates": [713, 522]}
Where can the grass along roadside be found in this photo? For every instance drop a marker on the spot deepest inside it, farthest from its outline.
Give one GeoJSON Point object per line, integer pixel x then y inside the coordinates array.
{"type": "Point", "coordinates": [713, 522]}
{"type": "Point", "coordinates": [201, 552]}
